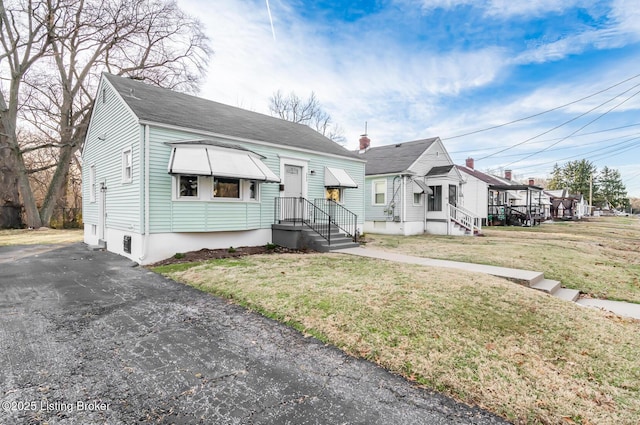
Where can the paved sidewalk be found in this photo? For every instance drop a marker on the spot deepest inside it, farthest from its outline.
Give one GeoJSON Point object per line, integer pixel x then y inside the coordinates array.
{"type": "Point", "coordinates": [617, 307]}
{"type": "Point", "coordinates": [514, 274]}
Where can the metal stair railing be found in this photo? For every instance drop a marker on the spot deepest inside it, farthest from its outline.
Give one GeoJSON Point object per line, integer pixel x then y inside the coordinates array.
{"type": "Point", "coordinates": [300, 210]}
{"type": "Point", "coordinates": [465, 218]}
{"type": "Point", "coordinates": [341, 217]}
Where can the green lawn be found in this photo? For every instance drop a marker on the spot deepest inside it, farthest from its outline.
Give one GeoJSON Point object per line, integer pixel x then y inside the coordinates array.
{"type": "Point", "coordinates": [42, 236]}
{"type": "Point", "coordinates": [524, 355]}
{"type": "Point", "coordinates": [599, 257]}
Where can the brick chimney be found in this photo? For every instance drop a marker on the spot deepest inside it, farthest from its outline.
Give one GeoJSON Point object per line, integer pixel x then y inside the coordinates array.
{"type": "Point", "coordinates": [470, 163]}
{"type": "Point", "coordinates": [532, 182]}
{"type": "Point", "coordinates": [507, 174]}
{"type": "Point", "coordinates": [364, 142]}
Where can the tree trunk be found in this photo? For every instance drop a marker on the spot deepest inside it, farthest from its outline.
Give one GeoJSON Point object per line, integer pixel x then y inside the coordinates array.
{"type": "Point", "coordinates": [30, 208]}
{"type": "Point", "coordinates": [58, 184]}
{"type": "Point", "coordinates": [10, 208]}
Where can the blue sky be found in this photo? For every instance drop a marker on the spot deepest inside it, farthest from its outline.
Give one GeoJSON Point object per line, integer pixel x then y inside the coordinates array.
{"type": "Point", "coordinates": [414, 69]}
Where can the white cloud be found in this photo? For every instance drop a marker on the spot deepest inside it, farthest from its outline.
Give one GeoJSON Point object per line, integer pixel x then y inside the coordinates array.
{"type": "Point", "coordinates": [505, 8]}
{"type": "Point", "coordinates": [364, 78]}
{"type": "Point", "coordinates": [405, 92]}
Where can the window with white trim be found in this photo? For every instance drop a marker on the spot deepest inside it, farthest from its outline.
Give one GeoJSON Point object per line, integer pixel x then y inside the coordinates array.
{"type": "Point", "coordinates": [334, 194]}
{"type": "Point", "coordinates": [92, 184]}
{"type": "Point", "coordinates": [188, 186]}
{"type": "Point", "coordinates": [417, 198]}
{"type": "Point", "coordinates": [379, 192]}
{"type": "Point", "coordinates": [435, 199]}
{"type": "Point", "coordinates": [253, 190]}
{"type": "Point", "coordinates": [127, 166]}
{"type": "Point", "coordinates": [226, 188]}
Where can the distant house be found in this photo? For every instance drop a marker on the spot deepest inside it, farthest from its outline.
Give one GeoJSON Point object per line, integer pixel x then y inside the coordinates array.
{"type": "Point", "coordinates": [567, 206]}
{"type": "Point", "coordinates": [413, 188]}
{"type": "Point", "coordinates": [165, 172]}
{"type": "Point", "coordinates": [502, 201]}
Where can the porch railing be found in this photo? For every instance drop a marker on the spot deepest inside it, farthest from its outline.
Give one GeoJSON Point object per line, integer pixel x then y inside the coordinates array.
{"type": "Point", "coordinates": [522, 215]}
{"type": "Point", "coordinates": [301, 211]}
{"type": "Point", "coordinates": [465, 218]}
{"type": "Point", "coordinates": [339, 216]}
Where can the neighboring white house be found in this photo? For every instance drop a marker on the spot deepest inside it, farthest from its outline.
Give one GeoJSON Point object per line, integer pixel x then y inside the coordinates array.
{"type": "Point", "coordinates": [413, 188]}
{"type": "Point", "coordinates": [165, 172]}
{"type": "Point", "coordinates": [500, 200]}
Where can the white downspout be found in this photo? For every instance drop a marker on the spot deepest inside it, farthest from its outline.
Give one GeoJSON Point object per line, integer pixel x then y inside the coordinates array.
{"type": "Point", "coordinates": [404, 204]}
{"type": "Point", "coordinates": [146, 194]}
{"type": "Point", "coordinates": [426, 203]}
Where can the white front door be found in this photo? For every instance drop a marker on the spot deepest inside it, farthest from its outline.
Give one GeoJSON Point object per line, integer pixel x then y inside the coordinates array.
{"type": "Point", "coordinates": [293, 184]}
{"type": "Point", "coordinates": [292, 181]}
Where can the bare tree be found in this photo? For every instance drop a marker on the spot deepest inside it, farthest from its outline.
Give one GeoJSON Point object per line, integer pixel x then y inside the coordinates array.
{"type": "Point", "coordinates": [24, 39]}
{"type": "Point", "coordinates": [149, 40]}
{"type": "Point", "coordinates": [305, 111]}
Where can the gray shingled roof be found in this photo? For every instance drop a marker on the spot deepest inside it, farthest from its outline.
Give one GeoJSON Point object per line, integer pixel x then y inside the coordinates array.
{"type": "Point", "coordinates": [395, 158]}
{"type": "Point", "coordinates": [158, 105]}
{"type": "Point", "coordinates": [487, 178]}
{"type": "Point", "coordinates": [438, 171]}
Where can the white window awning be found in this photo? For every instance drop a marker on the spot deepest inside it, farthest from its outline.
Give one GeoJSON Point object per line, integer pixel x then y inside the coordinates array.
{"type": "Point", "coordinates": [189, 160]}
{"type": "Point", "coordinates": [222, 162]}
{"type": "Point", "coordinates": [421, 187]}
{"type": "Point", "coordinates": [337, 177]}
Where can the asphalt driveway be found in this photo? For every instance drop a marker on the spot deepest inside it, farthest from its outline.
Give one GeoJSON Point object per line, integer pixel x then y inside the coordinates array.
{"type": "Point", "coordinates": [85, 338]}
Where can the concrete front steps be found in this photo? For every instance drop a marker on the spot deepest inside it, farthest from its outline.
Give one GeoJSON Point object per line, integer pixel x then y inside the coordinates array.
{"type": "Point", "coordinates": [460, 230]}
{"type": "Point", "coordinates": [299, 236]}
{"type": "Point", "coordinates": [552, 287]}
{"type": "Point", "coordinates": [338, 240]}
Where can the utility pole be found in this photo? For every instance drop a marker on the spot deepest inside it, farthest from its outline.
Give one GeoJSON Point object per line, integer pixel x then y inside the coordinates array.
{"type": "Point", "coordinates": [591, 194]}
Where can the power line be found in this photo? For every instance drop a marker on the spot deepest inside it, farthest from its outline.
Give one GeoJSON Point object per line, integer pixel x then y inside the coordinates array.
{"type": "Point", "coordinates": [608, 148]}
{"type": "Point", "coordinates": [597, 142]}
{"type": "Point", "coordinates": [540, 113]}
{"type": "Point", "coordinates": [558, 126]}
{"type": "Point", "coordinates": [587, 124]}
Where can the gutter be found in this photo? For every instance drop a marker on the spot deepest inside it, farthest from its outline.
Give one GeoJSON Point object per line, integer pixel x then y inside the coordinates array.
{"type": "Point", "coordinates": [145, 235]}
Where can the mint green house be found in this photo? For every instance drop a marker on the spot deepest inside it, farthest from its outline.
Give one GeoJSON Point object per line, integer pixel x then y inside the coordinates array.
{"type": "Point", "coordinates": [165, 172]}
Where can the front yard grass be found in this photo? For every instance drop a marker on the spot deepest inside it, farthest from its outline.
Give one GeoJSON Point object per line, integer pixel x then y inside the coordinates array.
{"type": "Point", "coordinates": [524, 355]}
{"type": "Point", "coordinates": [35, 237]}
{"type": "Point", "coordinates": [600, 257]}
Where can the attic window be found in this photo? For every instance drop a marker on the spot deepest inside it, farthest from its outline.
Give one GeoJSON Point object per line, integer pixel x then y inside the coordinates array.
{"type": "Point", "coordinates": [104, 95]}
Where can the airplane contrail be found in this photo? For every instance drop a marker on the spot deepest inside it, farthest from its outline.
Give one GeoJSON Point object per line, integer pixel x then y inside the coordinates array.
{"type": "Point", "coordinates": [273, 31]}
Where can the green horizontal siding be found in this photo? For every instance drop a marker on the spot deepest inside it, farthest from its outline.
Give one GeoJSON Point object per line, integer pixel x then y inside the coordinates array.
{"type": "Point", "coordinates": [112, 128]}
{"type": "Point", "coordinates": [167, 215]}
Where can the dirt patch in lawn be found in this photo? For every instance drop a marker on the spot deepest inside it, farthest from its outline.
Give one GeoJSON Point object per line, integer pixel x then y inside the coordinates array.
{"type": "Point", "coordinates": [216, 254]}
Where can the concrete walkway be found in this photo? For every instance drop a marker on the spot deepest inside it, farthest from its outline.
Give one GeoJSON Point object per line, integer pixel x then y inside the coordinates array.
{"type": "Point", "coordinates": [618, 307]}
{"type": "Point", "coordinates": [531, 278]}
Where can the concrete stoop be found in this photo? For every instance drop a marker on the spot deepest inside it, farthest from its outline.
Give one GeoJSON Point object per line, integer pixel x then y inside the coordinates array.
{"type": "Point", "coordinates": [318, 243]}
{"type": "Point", "coordinates": [302, 237]}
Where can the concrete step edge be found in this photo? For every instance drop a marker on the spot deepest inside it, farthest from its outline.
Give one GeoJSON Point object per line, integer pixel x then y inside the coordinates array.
{"type": "Point", "coordinates": [546, 285]}
{"type": "Point", "coordinates": [334, 247]}
{"type": "Point", "coordinates": [567, 294]}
